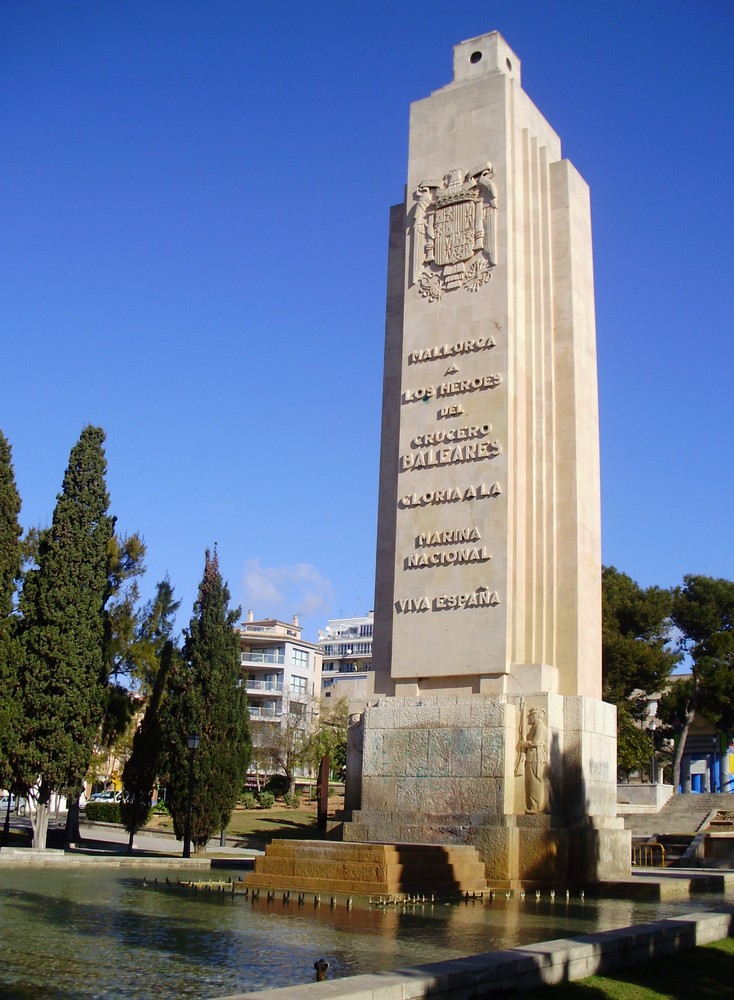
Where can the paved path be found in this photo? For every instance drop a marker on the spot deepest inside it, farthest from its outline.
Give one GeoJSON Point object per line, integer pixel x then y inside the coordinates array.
{"type": "Point", "coordinates": [107, 840]}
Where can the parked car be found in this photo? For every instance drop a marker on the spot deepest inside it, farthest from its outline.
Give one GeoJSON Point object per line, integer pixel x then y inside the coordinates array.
{"type": "Point", "coordinates": [106, 797]}
{"type": "Point", "coordinates": [18, 804]}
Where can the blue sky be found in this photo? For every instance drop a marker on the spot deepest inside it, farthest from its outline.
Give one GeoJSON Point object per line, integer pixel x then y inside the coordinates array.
{"type": "Point", "coordinates": [194, 200]}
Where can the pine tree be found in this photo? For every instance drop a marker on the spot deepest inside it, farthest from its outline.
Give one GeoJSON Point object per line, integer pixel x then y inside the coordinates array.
{"type": "Point", "coordinates": [10, 562]}
{"type": "Point", "coordinates": [62, 676]}
{"type": "Point", "coordinates": [204, 699]}
{"type": "Point", "coordinates": [150, 658]}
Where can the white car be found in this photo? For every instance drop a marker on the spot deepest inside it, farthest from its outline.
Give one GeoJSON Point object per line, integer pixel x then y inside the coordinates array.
{"type": "Point", "coordinates": [13, 802]}
{"type": "Point", "coordinates": [106, 797]}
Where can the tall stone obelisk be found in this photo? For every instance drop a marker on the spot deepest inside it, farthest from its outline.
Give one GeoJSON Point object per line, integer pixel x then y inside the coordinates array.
{"type": "Point", "coordinates": [488, 568]}
{"type": "Point", "coordinates": [488, 726]}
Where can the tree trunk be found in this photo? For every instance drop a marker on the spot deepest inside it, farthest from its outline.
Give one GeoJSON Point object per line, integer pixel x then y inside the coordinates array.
{"type": "Point", "coordinates": [6, 823]}
{"type": "Point", "coordinates": [680, 747]}
{"type": "Point", "coordinates": [130, 842]}
{"type": "Point", "coordinates": [39, 821]}
{"type": "Point", "coordinates": [73, 833]}
{"type": "Point", "coordinates": [223, 837]}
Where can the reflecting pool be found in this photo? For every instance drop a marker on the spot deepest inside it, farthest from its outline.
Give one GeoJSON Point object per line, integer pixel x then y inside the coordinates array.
{"type": "Point", "coordinates": [84, 933]}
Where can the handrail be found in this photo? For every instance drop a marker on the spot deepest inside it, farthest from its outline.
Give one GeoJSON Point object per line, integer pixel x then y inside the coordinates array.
{"type": "Point", "coordinates": [643, 855]}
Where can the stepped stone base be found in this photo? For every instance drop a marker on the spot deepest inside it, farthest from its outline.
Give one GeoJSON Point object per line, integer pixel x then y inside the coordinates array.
{"type": "Point", "coordinates": [447, 770]}
{"type": "Point", "coordinates": [368, 869]}
{"type": "Point", "coordinates": [514, 849]}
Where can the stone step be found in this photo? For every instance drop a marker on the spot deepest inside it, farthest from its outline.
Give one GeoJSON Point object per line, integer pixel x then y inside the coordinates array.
{"type": "Point", "coordinates": [368, 869]}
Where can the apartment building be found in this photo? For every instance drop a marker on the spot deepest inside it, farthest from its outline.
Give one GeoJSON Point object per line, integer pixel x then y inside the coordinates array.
{"type": "Point", "coordinates": [346, 647]}
{"type": "Point", "coordinates": [280, 670]}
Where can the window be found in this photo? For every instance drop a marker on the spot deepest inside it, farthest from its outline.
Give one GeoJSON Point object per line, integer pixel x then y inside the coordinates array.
{"type": "Point", "coordinates": [299, 685]}
{"type": "Point", "coordinates": [300, 658]}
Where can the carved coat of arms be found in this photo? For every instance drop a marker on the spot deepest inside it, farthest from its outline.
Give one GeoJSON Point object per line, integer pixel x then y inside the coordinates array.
{"type": "Point", "coordinates": [454, 232]}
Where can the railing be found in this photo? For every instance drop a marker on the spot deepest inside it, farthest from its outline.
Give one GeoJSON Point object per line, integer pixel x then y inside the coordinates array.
{"type": "Point", "coordinates": [251, 685]}
{"type": "Point", "coordinates": [258, 712]}
{"type": "Point", "coordinates": [258, 656]}
{"type": "Point", "coordinates": [648, 856]}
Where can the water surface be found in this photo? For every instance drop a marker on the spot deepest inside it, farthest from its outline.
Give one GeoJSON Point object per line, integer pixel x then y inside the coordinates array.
{"type": "Point", "coordinates": [84, 933]}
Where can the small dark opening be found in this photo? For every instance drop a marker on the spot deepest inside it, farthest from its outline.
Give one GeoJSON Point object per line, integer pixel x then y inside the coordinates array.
{"type": "Point", "coordinates": [509, 64]}
{"type": "Point", "coordinates": [475, 57]}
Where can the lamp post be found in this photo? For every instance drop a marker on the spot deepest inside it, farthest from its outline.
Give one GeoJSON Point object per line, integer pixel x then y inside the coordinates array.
{"type": "Point", "coordinates": [192, 743]}
{"type": "Point", "coordinates": [653, 762]}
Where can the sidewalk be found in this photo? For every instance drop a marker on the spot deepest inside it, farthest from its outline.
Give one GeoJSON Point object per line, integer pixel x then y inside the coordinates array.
{"type": "Point", "coordinates": [106, 843]}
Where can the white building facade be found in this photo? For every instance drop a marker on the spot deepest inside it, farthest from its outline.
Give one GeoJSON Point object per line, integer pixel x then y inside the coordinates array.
{"type": "Point", "coordinates": [280, 670]}
{"type": "Point", "coordinates": [346, 648]}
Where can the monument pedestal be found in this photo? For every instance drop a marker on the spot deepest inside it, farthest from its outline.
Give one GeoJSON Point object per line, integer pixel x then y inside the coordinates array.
{"type": "Point", "coordinates": [530, 781]}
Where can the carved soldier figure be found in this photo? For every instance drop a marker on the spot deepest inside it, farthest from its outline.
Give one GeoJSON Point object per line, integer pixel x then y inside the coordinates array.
{"type": "Point", "coordinates": [535, 746]}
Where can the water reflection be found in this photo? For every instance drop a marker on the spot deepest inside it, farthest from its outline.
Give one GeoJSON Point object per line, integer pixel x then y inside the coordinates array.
{"type": "Point", "coordinates": [88, 933]}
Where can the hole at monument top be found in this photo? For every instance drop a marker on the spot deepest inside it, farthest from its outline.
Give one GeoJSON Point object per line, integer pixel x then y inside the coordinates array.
{"type": "Point", "coordinates": [475, 57]}
{"type": "Point", "coordinates": [509, 64]}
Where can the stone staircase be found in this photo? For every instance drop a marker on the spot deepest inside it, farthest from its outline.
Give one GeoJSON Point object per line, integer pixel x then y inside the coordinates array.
{"type": "Point", "coordinates": [677, 823]}
{"type": "Point", "coordinates": [368, 869]}
{"type": "Point", "coordinates": [681, 814]}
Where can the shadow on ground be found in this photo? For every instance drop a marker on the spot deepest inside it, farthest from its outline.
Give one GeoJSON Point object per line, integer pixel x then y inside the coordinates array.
{"type": "Point", "coordinates": [701, 974]}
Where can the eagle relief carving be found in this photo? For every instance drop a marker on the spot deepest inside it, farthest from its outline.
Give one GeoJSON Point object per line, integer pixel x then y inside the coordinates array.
{"type": "Point", "coordinates": [454, 232]}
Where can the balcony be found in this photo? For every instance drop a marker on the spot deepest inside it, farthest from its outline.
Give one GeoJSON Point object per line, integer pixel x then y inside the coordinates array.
{"type": "Point", "coordinates": [262, 656]}
{"type": "Point", "coordinates": [267, 712]}
{"type": "Point", "coordinates": [252, 685]}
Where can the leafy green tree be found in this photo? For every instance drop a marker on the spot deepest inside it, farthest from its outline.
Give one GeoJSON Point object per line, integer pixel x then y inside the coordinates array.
{"type": "Point", "coordinates": [154, 626]}
{"type": "Point", "coordinates": [140, 773]}
{"type": "Point", "coordinates": [637, 657]}
{"type": "Point", "coordinates": [62, 675]}
{"type": "Point", "coordinates": [10, 567]}
{"type": "Point", "coordinates": [634, 746]}
{"type": "Point", "coordinates": [703, 611]}
{"type": "Point", "coordinates": [330, 738]}
{"type": "Point", "coordinates": [204, 699]}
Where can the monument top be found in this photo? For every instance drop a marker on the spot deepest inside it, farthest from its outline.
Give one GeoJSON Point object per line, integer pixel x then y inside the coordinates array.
{"type": "Point", "coordinates": [489, 550]}
{"type": "Point", "coordinates": [483, 55]}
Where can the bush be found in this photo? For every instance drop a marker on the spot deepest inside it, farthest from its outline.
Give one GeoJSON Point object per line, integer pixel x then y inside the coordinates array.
{"type": "Point", "coordinates": [292, 800]}
{"type": "Point", "coordinates": [266, 800]}
{"type": "Point", "coordinates": [277, 784]}
{"type": "Point", "coordinates": [160, 807]}
{"type": "Point", "coordinates": [103, 812]}
{"type": "Point", "coordinates": [249, 801]}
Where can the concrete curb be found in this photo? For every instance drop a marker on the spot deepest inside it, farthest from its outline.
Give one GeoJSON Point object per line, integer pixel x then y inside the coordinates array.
{"type": "Point", "coordinates": [519, 969]}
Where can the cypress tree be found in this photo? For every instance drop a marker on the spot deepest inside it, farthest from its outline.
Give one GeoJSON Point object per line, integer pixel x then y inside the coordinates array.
{"type": "Point", "coordinates": [62, 677]}
{"type": "Point", "coordinates": [204, 699]}
{"type": "Point", "coordinates": [10, 561]}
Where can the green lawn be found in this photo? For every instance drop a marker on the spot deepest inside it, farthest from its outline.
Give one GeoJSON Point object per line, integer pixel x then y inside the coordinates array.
{"type": "Point", "coordinates": [256, 827]}
{"type": "Point", "coordinates": [705, 973]}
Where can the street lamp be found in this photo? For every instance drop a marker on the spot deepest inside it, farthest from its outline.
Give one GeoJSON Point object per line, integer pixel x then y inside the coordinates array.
{"type": "Point", "coordinates": [192, 742]}
{"type": "Point", "coordinates": [653, 762]}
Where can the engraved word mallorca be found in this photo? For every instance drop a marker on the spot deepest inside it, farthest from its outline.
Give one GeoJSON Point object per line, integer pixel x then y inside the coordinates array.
{"type": "Point", "coordinates": [449, 350]}
{"type": "Point", "coordinates": [434, 497]}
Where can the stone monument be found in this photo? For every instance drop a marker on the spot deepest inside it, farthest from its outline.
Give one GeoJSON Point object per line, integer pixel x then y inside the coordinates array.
{"type": "Point", "coordinates": [487, 727]}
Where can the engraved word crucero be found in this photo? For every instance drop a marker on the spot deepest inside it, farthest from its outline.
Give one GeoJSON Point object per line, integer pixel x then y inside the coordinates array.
{"type": "Point", "coordinates": [452, 388]}
{"type": "Point", "coordinates": [453, 434]}
{"type": "Point", "coordinates": [453, 495]}
{"type": "Point", "coordinates": [454, 232]}
{"type": "Point", "coordinates": [450, 350]}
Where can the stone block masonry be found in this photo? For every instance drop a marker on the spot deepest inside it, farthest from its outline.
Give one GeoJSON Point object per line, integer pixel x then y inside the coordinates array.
{"type": "Point", "coordinates": [518, 970]}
